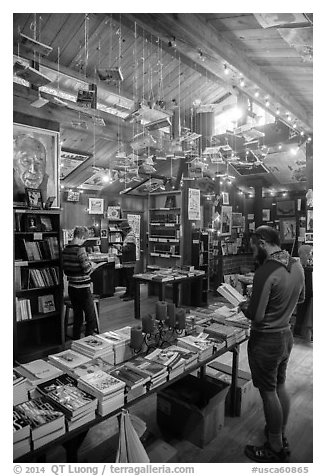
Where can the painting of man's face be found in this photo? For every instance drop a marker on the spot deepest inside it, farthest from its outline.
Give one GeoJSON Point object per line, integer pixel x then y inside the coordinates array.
{"type": "Point", "coordinates": [35, 162]}
{"type": "Point", "coordinates": [29, 161]}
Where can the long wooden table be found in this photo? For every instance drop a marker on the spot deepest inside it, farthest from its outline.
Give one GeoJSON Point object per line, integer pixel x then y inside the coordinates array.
{"type": "Point", "coordinates": [72, 440]}
{"type": "Point", "coordinates": [147, 279]}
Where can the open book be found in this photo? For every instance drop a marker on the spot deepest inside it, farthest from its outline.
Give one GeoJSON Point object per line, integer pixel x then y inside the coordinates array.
{"type": "Point", "coordinates": [231, 294]}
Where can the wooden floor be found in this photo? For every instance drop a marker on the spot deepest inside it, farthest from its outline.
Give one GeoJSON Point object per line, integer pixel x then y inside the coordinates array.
{"type": "Point", "coordinates": [101, 441]}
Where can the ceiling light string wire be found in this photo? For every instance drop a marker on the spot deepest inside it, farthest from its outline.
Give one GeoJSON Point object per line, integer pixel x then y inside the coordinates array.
{"type": "Point", "coordinates": [86, 43]}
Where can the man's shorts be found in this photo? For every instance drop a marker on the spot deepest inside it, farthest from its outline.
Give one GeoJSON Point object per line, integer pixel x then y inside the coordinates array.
{"type": "Point", "coordinates": [268, 355]}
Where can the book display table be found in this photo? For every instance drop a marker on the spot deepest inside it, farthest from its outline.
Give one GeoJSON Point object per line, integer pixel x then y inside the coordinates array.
{"type": "Point", "coordinates": [72, 440]}
{"type": "Point", "coordinates": [174, 279]}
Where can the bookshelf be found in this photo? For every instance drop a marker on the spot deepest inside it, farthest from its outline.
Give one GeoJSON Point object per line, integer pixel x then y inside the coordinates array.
{"type": "Point", "coordinates": [38, 283]}
{"type": "Point", "coordinates": [165, 229]}
{"type": "Point", "coordinates": [201, 256]}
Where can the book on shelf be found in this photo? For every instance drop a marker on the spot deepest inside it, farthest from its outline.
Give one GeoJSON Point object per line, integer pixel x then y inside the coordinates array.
{"type": "Point", "coordinates": [68, 359]}
{"type": "Point", "coordinates": [41, 415]}
{"type": "Point", "coordinates": [80, 420]}
{"type": "Point", "coordinates": [46, 223]}
{"type": "Point", "coordinates": [46, 303]}
{"type": "Point", "coordinates": [100, 384]}
{"type": "Point", "coordinates": [64, 394]}
{"type": "Point", "coordinates": [23, 309]}
{"type": "Point", "coordinates": [231, 294]}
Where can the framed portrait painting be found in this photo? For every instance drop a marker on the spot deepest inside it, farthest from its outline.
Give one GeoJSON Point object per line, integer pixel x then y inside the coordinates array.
{"type": "Point", "coordinates": [96, 206]}
{"type": "Point", "coordinates": [226, 220]}
{"type": "Point", "coordinates": [288, 229]}
{"type": "Point", "coordinates": [35, 163]}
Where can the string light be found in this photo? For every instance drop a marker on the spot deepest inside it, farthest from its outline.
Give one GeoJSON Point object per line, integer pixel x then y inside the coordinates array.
{"type": "Point", "coordinates": [226, 69]}
{"type": "Point", "coordinates": [242, 82]}
{"type": "Point", "coordinates": [277, 111]}
{"type": "Point", "coordinates": [267, 103]}
{"type": "Point", "coordinates": [257, 94]}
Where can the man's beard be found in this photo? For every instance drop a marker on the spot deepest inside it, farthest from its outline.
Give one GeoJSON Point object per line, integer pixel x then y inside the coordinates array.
{"type": "Point", "coordinates": [261, 255]}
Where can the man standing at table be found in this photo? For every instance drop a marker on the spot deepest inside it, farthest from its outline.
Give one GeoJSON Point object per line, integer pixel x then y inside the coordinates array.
{"type": "Point", "coordinates": [277, 287]}
{"type": "Point", "coordinates": [128, 259]}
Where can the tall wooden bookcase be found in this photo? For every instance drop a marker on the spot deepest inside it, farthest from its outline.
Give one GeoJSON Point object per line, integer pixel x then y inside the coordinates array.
{"type": "Point", "coordinates": [165, 230]}
{"type": "Point", "coordinates": [38, 283]}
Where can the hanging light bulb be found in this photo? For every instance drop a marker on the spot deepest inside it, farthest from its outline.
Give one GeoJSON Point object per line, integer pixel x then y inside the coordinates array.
{"type": "Point", "coordinates": [242, 82]}
{"type": "Point", "coordinates": [267, 103]}
{"type": "Point", "coordinates": [257, 94]}
{"type": "Point", "coordinates": [301, 133]}
{"type": "Point", "coordinates": [277, 111]}
{"type": "Point", "coordinates": [226, 69]}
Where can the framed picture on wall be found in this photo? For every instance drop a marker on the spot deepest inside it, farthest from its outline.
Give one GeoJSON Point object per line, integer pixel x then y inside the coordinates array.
{"type": "Point", "coordinates": [34, 198]}
{"type": "Point", "coordinates": [309, 238]}
{"type": "Point", "coordinates": [266, 214]}
{"type": "Point", "coordinates": [225, 198]}
{"type": "Point", "coordinates": [35, 163]}
{"type": "Point", "coordinates": [226, 220]}
{"type": "Point", "coordinates": [288, 229]}
{"type": "Point", "coordinates": [285, 208]}
{"type": "Point", "coordinates": [95, 206]}
{"type": "Point", "coordinates": [309, 220]}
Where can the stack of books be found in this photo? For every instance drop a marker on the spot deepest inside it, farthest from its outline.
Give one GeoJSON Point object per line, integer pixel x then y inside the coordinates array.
{"type": "Point", "coordinates": [199, 344]}
{"type": "Point", "coordinates": [19, 388]}
{"type": "Point", "coordinates": [45, 421]}
{"type": "Point", "coordinates": [230, 334]}
{"type": "Point", "coordinates": [157, 372]}
{"type": "Point", "coordinates": [21, 435]}
{"type": "Point", "coordinates": [190, 358]}
{"type": "Point", "coordinates": [68, 359]}
{"type": "Point", "coordinates": [231, 294]}
{"type": "Point", "coordinates": [171, 360]}
{"type": "Point", "coordinates": [90, 367]}
{"type": "Point", "coordinates": [78, 406]}
{"type": "Point", "coordinates": [94, 346]}
{"type": "Point", "coordinates": [108, 390]}
{"type": "Point", "coordinates": [134, 378]}
{"type": "Point", "coordinates": [120, 341]}
{"type": "Point", "coordinates": [239, 320]}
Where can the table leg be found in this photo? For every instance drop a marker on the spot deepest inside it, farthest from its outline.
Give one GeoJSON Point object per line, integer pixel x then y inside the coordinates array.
{"type": "Point", "coordinates": [175, 287]}
{"type": "Point", "coordinates": [137, 300]}
{"type": "Point", "coordinates": [234, 382]}
{"type": "Point", "coordinates": [72, 446]}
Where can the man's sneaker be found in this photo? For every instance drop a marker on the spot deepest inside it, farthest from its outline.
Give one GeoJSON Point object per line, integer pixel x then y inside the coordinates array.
{"type": "Point", "coordinates": [285, 442]}
{"type": "Point", "coordinates": [265, 454]}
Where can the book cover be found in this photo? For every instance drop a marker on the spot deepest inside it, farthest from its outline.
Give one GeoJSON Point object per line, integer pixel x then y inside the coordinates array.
{"type": "Point", "coordinates": [68, 359]}
{"type": "Point", "coordinates": [132, 377]}
{"type": "Point", "coordinates": [163, 356]}
{"type": "Point", "coordinates": [46, 303]}
{"type": "Point", "coordinates": [65, 395]}
{"type": "Point", "coordinates": [21, 426]}
{"type": "Point", "coordinates": [41, 415]}
{"type": "Point", "coordinates": [101, 384]}
{"type": "Point", "coordinates": [41, 369]}
{"type": "Point", "coordinates": [90, 367]}
{"type": "Point", "coordinates": [152, 368]}
{"type": "Point", "coordinates": [92, 343]}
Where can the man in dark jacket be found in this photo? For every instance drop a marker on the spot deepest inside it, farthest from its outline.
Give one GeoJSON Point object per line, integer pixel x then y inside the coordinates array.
{"type": "Point", "coordinates": [277, 287]}
{"type": "Point", "coordinates": [78, 267]}
{"type": "Point", "coordinates": [128, 259]}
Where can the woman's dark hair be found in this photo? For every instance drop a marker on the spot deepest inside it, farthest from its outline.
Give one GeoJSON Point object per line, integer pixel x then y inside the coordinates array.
{"type": "Point", "coordinates": [267, 233]}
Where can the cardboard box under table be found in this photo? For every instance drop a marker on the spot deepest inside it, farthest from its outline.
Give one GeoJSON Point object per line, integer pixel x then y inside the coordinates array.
{"type": "Point", "coordinates": [193, 408]}
{"type": "Point", "coordinates": [245, 392]}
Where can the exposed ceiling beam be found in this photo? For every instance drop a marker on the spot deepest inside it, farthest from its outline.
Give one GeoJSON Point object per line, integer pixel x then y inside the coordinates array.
{"type": "Point", "coordinates": [193, 34]}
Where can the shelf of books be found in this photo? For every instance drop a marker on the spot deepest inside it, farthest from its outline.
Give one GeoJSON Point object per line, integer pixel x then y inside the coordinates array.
{"type": "Point", "coordinates": [165, 230]}
{"type": "Point", "coordinates": [38, 283]}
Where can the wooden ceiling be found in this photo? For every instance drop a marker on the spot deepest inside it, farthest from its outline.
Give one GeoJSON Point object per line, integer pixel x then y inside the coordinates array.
{"type": "Point", "coordinates": [171, 63]}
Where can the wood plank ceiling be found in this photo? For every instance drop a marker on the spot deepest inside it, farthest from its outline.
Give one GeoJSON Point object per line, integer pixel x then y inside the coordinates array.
{"type": "Point", "coordinates": [170, 63]}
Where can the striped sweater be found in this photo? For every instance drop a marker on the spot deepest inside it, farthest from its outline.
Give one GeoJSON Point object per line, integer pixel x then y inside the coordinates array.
{"type": "Point", "coordinates": [76, 266]}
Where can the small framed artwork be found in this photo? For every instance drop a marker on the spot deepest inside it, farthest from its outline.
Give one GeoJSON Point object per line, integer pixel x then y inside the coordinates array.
{"type": "Point", "coordinates": [309, 238]}
{"type": "Point", "coordinates": [309, 220]}
{"type": "Point", "coordinates": [285, 208]}
{"type": "Point", "coordinates": [32, 223]}
{"type": "Point", "coordinates": [34, 198]}
{"type": "Point", "coordinates": [104, 233]}
{"type": "Point", "coordinates": [266, 214]}
{"type": "Point", "coordinates": [288, 229]}
{"type": "Point", "coordinates": [48, 204]}
{"type": "Point", "coordinates": [226, 220]}
{"type": "Point", "coordinates": [225, 198]}
{"type": "Point", "coordinates": [96, 206]}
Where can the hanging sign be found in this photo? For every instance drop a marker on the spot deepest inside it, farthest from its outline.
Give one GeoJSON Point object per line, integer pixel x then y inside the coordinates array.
{"type": "Point", "coordinates": [193, 204]}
